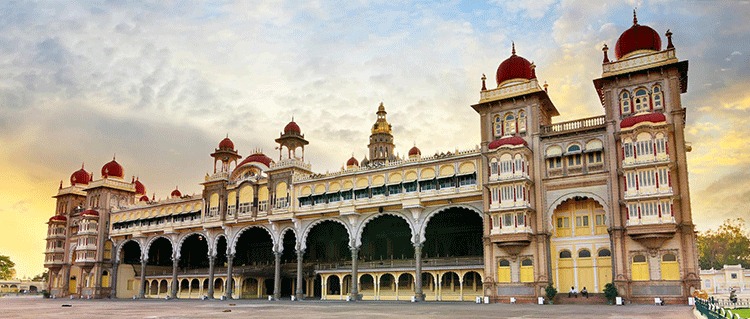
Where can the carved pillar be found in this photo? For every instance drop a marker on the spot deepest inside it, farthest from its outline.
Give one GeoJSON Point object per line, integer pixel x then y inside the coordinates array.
{"type": "Point", "coordinates": [355, 279]}
{"type": "Point", "coordinates": [142, 292]}
{"type": "Point", "coordinates": [175, 283]}
{"type": "Point", "coordinates": [113, 279]}
{"type": "Point", "coordinates": [211, 262]}
{"type": "Point", "coordinates": [299, 293]}
{"type": "Point", "coordinates": [418, 272]}
{"type": "Point", "coordinates": [277, 276]}
{"type": "Point", "coordinates": [228, 290]}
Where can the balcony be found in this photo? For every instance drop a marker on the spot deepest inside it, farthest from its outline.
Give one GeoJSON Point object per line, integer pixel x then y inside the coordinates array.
{"type": "Point", "coordinates": [511, 239]}
{"type": "Point", "coordinates": [633, 162]}
{"type": "Point", "coordinates": [591, 123]}
{"type": "Point", "coordinates": [509, 205]}
{"type": "Point", "coordinates": [651, 232]}
{"type": "Point", "coordinates": [647, 192]}
{"type": "Point", "coordinates": [517, 176]}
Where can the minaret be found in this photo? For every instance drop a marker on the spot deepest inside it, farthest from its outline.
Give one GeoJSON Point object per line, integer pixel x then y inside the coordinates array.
{"type": "Point", "coordinates": [381, 140]}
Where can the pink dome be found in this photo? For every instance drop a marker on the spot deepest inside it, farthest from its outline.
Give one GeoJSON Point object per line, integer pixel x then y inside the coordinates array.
{"type": "Point", "coordinates": [638, 37]}
{"type": "Point", "coordinates": [511, 140]}
{"type": "Point", "coordinates": [113, 169]}
{"type": "Point", "coordinates": [80, 176]}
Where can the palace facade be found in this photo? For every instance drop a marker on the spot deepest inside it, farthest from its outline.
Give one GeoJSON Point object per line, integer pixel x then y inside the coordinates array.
{"type": "Point", "coordinates": [574, 204]}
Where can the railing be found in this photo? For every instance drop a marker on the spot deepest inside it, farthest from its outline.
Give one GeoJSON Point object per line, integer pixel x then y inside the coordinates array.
{"type": "Point", "coordinates": [638, 62]}
{"type": "Point", "coordinates": [509, 90]}
{"type": "Point", "coordinates": [587, 123]}
{"type": "Point", "coordinates": [403, 263]}
{"type": "Point", "coordinates": [714, 310]}
{"type": "Point", "coordinates": [291, 162]}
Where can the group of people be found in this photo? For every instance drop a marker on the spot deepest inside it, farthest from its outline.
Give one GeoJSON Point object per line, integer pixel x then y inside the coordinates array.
{"type": "Point", "coordinates": [574, 292]}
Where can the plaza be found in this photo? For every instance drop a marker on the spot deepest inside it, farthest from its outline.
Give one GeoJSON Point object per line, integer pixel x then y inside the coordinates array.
{"type": "Point", "coordinates": [122, 308]}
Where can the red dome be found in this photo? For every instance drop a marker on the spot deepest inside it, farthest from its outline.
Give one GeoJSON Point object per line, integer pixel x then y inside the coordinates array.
{"type": "Point", "coordinates": [226, 144]}
{"type": "Point", "coordinates": [292, 127]}
{"type": "Point", "coordinates": [140, 189]}
{"type": "Point", "coordinates": [58, 218]}
{"type": "Point", "coordinates": [112, 169]}
{"type": "Point", "coordinates": [176, 193]}
{"type": "Point", "coordinates": [414, 151]}
{"type": "Point", "coordinates": [80, 176]}
{"type": "Point", "coordinates": [512, 140]}
{"type": "Point", "coordinates": [258, 158]}
{"type": "Point", "coordinates": [650, 117]}
{"type": "Point", "coordinates": [90, 212]}
{"type": "Point", "coordinates": [514, 67]}
{"type": "Point", "coordinates": [143, 198]}
{"type": "Point", "coordinates": [352, 162]}
{"type": "Point", "coordinates": [638, 37]}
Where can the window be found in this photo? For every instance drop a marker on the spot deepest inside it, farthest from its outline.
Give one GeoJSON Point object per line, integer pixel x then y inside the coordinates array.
{"type": "Point", "coordinates": [503, 271]}
{"type": "Point", "coordinates": [661, 144]}
{"type": "Point", "coordinates": [507, 220]}
{"type": "Point", "coordinates": [734, 276]}
{"type": "Point", "coordinates": [627, 150]}
{"type": "Point", "coordinates": [554, 162]}
{"type": "Point", "coordinates": [506, 166]}
{"type": "Point", "coordinates": [469, 179]}
{"type": "Point", "coordinates": [527, 270]}
{"type": "Point", "coordinates": [595, 157]}
{"type": "Point", "coordinates": [663, 177]}
{"type": "Point", "coordinates": [582, 221]}
{"type": "Point", "coordinates": [493, 167]}
{"type": "Point", "coordinates": [521, 121]}
{"type": "Point", "coordinates": [657, 96]}
{"type": "Point", "coordinates": [633, 210]}
{"type": "Point", "coordinates": [563, 222]}
{"type": "Point", "coordinates": [521, 219]}
{"type": "Point", "coordinates": [641, 100]}
{"type": "Point", "coordinates": [639, 268]}
{"type": "Point", "coordinates": [495, 222]}
{"type": "Point", "coordinates": [574, 156]}
{"type": "Point", "coordinates": [509, 125]}
{"type": "Point", "coordinates": [599, 220]}
{"type": "Point", "coordinates": [644, 148]}
{"type": "Point", "coordinates": [625, 103]}
{"type": "Point", "coordinates": [584, 253]}
{"type": "Point", "coordinates": [565, 254]}
{"type": "Point", "coordinates": [498, 126]}
{"type": "Point", "coordinates": [604, 253]}
{"type": "Point", "coordinates": [506, 193]}
{"type": "Point", "coordinates": [670, 269]}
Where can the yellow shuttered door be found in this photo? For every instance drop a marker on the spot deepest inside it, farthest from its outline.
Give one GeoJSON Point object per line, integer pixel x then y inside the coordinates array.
{"type": "Point", "coordinates": [527, 270]}
{"type": "Point", "coordinates": [670, 269]}
{"type": "Point", "coordinates": [640, 268]}
{"type": "Point", "coordinates": [503, 271]}
{"type": "Point", "coordinates": [604, 268]}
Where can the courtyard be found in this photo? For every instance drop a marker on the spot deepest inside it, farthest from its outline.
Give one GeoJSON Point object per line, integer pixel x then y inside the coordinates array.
{"type": "Point", "coordinates": [27, 307]}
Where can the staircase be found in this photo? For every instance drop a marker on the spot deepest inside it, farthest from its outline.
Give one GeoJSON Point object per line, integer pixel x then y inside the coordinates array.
{"type": "Point", "coordinates": [593, 299]}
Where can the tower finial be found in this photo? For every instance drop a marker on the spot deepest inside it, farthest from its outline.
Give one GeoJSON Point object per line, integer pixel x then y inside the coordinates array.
{"type": "Point", "coordinates": [114, 155]}
{"type": "Point", "coordinates": [513, 48]}
{"type": "Point", "coordinates": [635, 18]}
{"type": "Point", "coordinates": [82, 164]}
{"type": "Point", "coordinates": [669, 39]}
{"type": "Point", "coordinates": [605, 49]}
{"type": "Point", "coordinates": [484, 84]}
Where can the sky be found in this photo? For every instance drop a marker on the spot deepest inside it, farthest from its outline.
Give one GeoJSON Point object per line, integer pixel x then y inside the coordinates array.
{"type": "Point", "coordinates": [159, 84]}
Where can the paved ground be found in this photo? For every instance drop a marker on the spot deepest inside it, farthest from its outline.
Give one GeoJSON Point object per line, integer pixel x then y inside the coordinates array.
{"type": "Point", "coordinates": [53, 308]}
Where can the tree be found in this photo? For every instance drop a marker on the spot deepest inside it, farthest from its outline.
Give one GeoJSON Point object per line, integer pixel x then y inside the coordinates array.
{"type": "Point", "coordinates": [6, 268]}
{"type": "Point", "coordinates": [729, 245]}
{"type": "Point", "coordinates": [41, 277]}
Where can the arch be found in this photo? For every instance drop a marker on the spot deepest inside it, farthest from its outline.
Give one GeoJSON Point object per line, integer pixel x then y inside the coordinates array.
{"type": "Point", "coordinates": [625, 107]}
{"type": "Point", "coordinates": [306, 231]}
{"type": "Point", "coordinates": [553, 151]}
{"type": "Point", "coordinates": [429, 216]}
{"type": "Point", "coordinates": [565, 254]}
{"type": "Point", "coordinates": [584, 253]}
{"type": "Point", "coordinates": [362, 183]}
{"type": "Point", "coordinates": [231, 248]}
{"type": "Point", "coordinates": [572, 194]}
{"type": "Point", "coordinates": [347, 185]}
{"type": "Point", "coordinates": [319, 189]}
{"type": "Point", "coordinates": [153, 239]}
{"type": "Point", "coordinates": [368, 219]}
{"type": "Point", "coordinates": [427, 173]}
{"type": "Point", "coordinates": [410, 176]}
{"type": "Point", "coordinates": [306, 191]}
{"type": "Point", "coordinates": [604, 252]}
{"type": "Point", "coordinates": [246, 193]}
{"type": "Point", "coordinates": [594, 145]}
{"type": "Point", "coordinates": [212, 248]}
{"type": "Point", "coordinates": [182, 238]}
{"type": "Point", "coordinates": [118, 249]}
{"type": "Point", "coordinates": [641, 99]}
{"type": "Point", "coordinates": [282, 234]}
{"type": "Point", "coordinates": [395, 178]}
{"type": "Point", "coordinates": [262, 193]}
{"type": "Point", "coordinates": [447, 171]}
{"type": "Point", "coordinates": [334, 187]}
{"type": "Point", "coordinates": [467, 168]}
{"type": "Point", "coordinates": [573, 148]}
{"type": "Point", "coordinates": [281, 190]}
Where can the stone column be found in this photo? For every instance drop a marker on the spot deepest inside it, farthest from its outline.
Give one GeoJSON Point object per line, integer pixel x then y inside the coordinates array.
{"type": "Point", "coordinates": [228, 282]}
{"type": "Point", "coordinates": [175, 282]}
{"type": "Point", "coordinates": [299, 293]}
{"type": "Point", "coordinates": [113, 279]}
{"type": "Point", "coordinates": [355, 279]}
{"type": "Point", "coordinates": [418, 272]}
{"type": "Point", "coordinates": [142, 292]}
{"type": "Point", "coordinates": [211, 262]}
{"type": "Point", "coordinates": [277, 276]}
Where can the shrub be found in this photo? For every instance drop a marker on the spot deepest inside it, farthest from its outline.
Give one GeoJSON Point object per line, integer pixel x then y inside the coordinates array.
{"type": "Point", "coordinates": [550, 291]}
{"type": "Point", "coordinates": [610, 291]}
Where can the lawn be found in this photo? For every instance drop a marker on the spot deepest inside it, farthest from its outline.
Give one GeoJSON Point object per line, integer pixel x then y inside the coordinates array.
{"type": "Point", "coordinates": [745, 313]}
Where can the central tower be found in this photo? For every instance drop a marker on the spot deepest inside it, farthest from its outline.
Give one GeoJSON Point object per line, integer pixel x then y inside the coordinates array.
{"type": "Point", "coordinates": [381, 140]}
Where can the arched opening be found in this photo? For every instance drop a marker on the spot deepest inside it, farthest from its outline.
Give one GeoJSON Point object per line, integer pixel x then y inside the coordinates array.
{"type": "Point", "coordinates": [327, 242]}
{"type": "Point", "coordinates": [195, 288]}
{"type": "Point", "coordinates": [450, 286]}
{"type": "Point", "coordinates": [221, 252]}
{"type": "Point", "coordinates": [250, 288]}
{"type": "Point", "coordinates": [184, 289]}
{"type": "Point", "coordinates": [254, 247]}
{"type": "Point", "coordinates": [153, 288]}
{"type": "Point", "coordinates": [287, 286]}
{"type": "Point", "coordinates": [159, 257]}
{"type": "Point", "coordinates": [386, 237]}
{"type": "Point", "coordinates": [454, 232]}
{"type": "Point", "coordinates": [129, 271]}
{"type": "Point", "coordinates": [472, 284]}
{"type": "Point", "coordinates": [268, 286]}
{"type": "Point", "coordinates": [406, 285]}
{"type": "Point", "coordinates": [367, 286]}
{"type": "Point", "coordinates": [105, 279]}
{"type": "Point", "coordinates": [333, 286]}
{"type": "Point", "coordinates": [579, 263]}
{"type": "Point", "coordinates": [163, 287]}
{"type": "Point", "coordinates": [429, 286]}
{"type": "Point", "coordinates": [387, 287]}
{"type": "Point", "coordinates": [219, 286]}
{"type": "Point", "coordinates": [194, 253]}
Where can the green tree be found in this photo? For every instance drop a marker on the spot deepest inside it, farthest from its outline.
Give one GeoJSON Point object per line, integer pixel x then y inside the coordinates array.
{"type": "Point", "coordinates": [6, 268]}
{"type": "Point", "coordinates": [41, 277]}
{"type": "Point", "coordinates": [729, 245]}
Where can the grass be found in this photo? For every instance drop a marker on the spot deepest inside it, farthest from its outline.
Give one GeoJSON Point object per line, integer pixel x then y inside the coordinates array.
{"type": "Point", "coordinates": [744, 313]}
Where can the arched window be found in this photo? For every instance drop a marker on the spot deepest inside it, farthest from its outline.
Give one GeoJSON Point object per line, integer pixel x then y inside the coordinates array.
{"type": "Point", "coordinates": [625, 103]}
{"type": "Point", "coordinates": [574, 155]}
{"type": "Point", "coordinates": [584, 253]}
{"type": "Point", "coordinates": [565, 254]}
{"type": "Point", "coordinates": [497, 126]}
{"type": "Point", "coordinates": [521, 121]}
{"type": "Point", "coordinates": [658, 97]}
{"type": "Point", "coordinates": [641, 100]}
{"type": "Point", "coordinates": [506, 164]}
{"type": "Point", "coordinates": [493, 167]}
{"type": "Point", "coordinates": [503, 271]}
{"type": "Point", "coordinates": [604, 253]}
{"type": "Point", "coordinates": [509, 124]}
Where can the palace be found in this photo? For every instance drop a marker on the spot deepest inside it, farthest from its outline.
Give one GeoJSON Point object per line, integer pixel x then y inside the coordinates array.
{"type": "Point", "coordinates": [577, 204]}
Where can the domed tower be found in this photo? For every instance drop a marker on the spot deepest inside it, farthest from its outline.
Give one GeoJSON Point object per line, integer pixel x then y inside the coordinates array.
{"type": "Point", "coordinates": [226, 154]}
{"type": "Point", "coordinates": [641, 95]}
{"type": "Point", "coordinates": [381, 140]}
{"type": "Point", "coordinates": [292, 138]}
